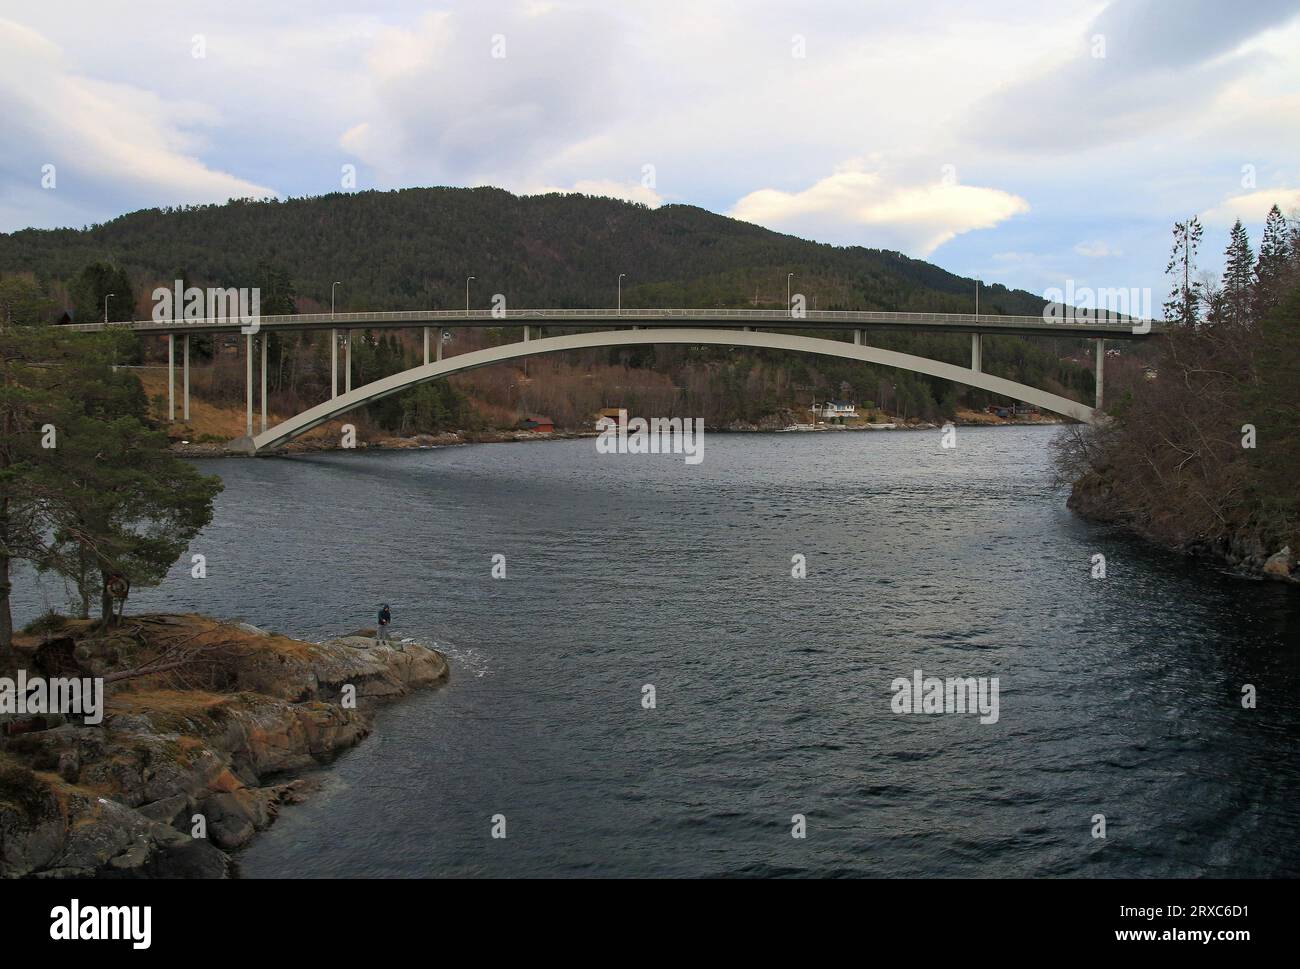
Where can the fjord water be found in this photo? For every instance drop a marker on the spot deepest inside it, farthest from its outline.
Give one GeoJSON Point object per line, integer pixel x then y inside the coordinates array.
{"type": "Point", "coordinates": [1118, 696]}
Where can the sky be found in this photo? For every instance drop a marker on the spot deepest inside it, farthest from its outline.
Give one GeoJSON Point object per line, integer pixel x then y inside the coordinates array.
{"type": "Point", "coordinates": [1015, 141]}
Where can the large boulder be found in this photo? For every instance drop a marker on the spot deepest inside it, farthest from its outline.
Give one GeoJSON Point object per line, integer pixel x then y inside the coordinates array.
{"type": "Point", "coordinates": [1279, 564]}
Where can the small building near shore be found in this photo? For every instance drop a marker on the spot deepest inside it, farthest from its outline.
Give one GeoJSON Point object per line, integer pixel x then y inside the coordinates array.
{"type": "Point", "coordinates": [835, 411]}
{"type": "Point", "coordinates": [542, 425]}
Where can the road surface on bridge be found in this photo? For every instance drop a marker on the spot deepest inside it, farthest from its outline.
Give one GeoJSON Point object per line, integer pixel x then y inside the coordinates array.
{"type": "Point", "coordinates": [1114, 328]}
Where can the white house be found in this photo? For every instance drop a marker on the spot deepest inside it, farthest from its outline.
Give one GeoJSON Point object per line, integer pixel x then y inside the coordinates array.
{"type": "Point", "coordinates": [834, 410]}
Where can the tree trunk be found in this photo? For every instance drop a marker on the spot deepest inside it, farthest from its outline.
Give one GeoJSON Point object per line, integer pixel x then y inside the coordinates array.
{"type": "Point", "coordinates": [105, 603]}
{"type": "Point", "coordinates": [85, 580]}
{"type": "Point", "coordinates": [6, 617]}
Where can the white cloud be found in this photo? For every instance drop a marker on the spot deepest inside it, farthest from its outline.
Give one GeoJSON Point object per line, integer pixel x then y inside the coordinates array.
{"type": "Point", "coordinates": [861, 207]}
{"type": "Point", "coordinates": [1253, 206]}
{"type": "Point", "coordinates": [485, 96]}
{"type": "Point", "coordinates": [111, 143]}
{"type": "Point", "coordinates": [1097, 250]}
{"type": "Point", "coordinates": [1140, 65]}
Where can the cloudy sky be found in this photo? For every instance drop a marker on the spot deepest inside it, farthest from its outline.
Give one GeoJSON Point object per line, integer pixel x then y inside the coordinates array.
{"type": "Point", "coordinates": [1014, 140]}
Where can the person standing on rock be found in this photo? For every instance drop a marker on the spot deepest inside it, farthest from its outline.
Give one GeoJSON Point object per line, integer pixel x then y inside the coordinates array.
{"type": "Point", "coordinates": [385, 618]}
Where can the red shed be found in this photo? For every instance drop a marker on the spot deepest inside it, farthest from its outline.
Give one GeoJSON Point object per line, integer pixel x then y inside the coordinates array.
{"type": "Point", "coordinates": [542, 425]}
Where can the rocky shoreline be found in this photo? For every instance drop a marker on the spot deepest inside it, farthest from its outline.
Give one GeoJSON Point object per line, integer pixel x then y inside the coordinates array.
{"type": "Point", "coordinates": [1243, 552]}
{"type": "Point", "coordinates": [188, 764]}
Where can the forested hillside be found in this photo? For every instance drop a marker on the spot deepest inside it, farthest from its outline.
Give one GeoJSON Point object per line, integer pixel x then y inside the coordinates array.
{"type": "Point", "coordinates": [414, 248]}
{"type": "Point", "coordinates": [1204, 456]}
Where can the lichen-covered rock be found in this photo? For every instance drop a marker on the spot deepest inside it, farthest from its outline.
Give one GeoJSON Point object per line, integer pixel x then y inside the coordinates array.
{"type": "Point", "coordinates": [32, 827]}
{"type": "Point", "coordinates": [120, 799]}
{"type": "Point", "coordinates": [171, 810]}
{"type": "Point", "coordinates": [101, 830]}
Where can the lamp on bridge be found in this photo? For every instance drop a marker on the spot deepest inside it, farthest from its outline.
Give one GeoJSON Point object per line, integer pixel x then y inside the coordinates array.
{"type": "Point", "coordinates": [332, 286]}
{"type": "Point", "coordinates": [467, 279]}
{"type": "Point", "coordinates": [106, 298]}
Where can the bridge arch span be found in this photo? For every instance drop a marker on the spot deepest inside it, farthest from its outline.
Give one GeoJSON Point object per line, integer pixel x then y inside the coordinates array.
{"type": "Point", "coordinates": [764, 339]}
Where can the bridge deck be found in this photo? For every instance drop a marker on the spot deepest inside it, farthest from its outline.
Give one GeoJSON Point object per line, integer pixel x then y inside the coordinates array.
{"type": "Point", "coordinates": [1112, 329]}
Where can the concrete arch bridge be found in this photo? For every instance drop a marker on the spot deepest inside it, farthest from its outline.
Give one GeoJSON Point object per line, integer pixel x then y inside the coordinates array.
{"type": "Point", "coordinates": [767, 329]}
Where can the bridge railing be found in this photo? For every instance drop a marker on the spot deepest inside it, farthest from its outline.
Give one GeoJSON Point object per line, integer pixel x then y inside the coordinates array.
{"type": "Point", "coordinates": [524, 316]}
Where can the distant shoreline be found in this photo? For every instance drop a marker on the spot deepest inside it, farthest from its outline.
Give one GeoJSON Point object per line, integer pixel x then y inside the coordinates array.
{"type": "Point", "coordinates": [418, 442]}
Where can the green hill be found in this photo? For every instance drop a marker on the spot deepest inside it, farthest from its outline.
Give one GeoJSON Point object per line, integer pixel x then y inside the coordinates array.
{"type": "Point", "coordinates": [414, 248]}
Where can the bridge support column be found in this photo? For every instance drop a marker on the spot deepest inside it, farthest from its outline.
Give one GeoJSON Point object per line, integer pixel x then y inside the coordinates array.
{"type": "Point", "coordinates": [248, 382]}
{"type": "Point", "coordinates": [439, 348]}
{"type": "Point", "coordinates": [334, 364]}
{"type": "Point", "coordinates": [347, 364]}
{"type": "Point", "coordinates": [976, 352]}
{"type": "Point", "coordinates": [526, 333]}
{"type": "Point", "coordinates": [1101, 368]}
{"type": "Point", "coordinates": [266, 345]}
{"type": "Point", "coordinates": [857, 338]}
{"type": "Point", "coordinates": [171, 376]}
{"type": "Point", "coordinates": [426, 346]}
{"type": "Point", "coordinates": [185, 367]}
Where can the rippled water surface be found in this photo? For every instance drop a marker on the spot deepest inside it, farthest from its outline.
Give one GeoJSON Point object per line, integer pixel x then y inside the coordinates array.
{"type": "Point", "coordinates": [1118, 697]}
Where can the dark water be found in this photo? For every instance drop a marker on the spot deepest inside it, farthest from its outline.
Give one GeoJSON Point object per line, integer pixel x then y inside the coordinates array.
{"type": "Point", "coordinates": [1118, 697]}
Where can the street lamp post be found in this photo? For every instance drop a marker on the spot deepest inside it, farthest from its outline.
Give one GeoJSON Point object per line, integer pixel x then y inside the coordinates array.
{"type": "Point", "coordinates": [106, 297]}
{"type": "Point", "coordinates": [620, 293]}
{"type": "Point", "coordinates": [332, 287]}
{"type": "Point", "coordinates": [977, 297]}
{"type": "Point", "coordinates": [788, 278]}
{"type": "Point", "coordinates": [467, 279]}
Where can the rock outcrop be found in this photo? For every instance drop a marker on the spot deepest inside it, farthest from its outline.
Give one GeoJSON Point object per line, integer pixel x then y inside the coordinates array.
{"type": "Point", "coordinates": [183, 768]}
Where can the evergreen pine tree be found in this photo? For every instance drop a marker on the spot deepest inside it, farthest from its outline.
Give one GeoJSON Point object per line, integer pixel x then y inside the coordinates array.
{"type": "Point", "coordinates": [1274, 254]}
{"type": "Point", "coordinates": [1238, 272]}
{"type": "Point", "coordinates": [103, 289]}
{"type": "Point", "coordinates": [1184, 304]}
